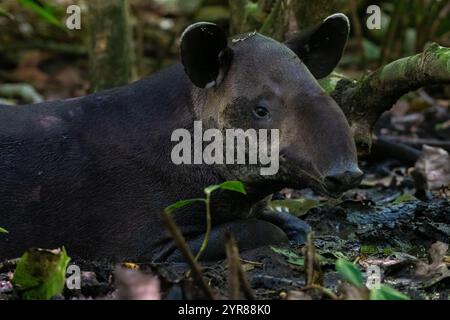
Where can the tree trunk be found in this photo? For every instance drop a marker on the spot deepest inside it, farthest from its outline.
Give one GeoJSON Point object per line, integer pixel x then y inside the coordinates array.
{"type": "Point", "coordinates": [109, 43]}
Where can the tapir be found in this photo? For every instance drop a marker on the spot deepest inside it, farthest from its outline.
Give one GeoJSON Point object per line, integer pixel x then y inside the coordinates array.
{"type": "Point", "coordinates": [93, 174]}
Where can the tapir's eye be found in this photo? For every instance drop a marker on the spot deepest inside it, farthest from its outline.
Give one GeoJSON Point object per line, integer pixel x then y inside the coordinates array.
{"type": "Point", "coordinates": [261, 112]}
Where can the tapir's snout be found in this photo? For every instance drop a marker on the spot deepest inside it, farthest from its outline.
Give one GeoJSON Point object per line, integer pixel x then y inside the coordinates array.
{"type": "Point", "coordinates": [340, 181]}
{"type": "Point", "coordinates": [326, 145]}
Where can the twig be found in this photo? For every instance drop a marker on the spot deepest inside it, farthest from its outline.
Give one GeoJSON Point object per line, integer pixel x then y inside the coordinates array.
{"type": "Point", "coordinates": [245, 285]}
{"type": "Point", "coordinates": [322, 289]}
{"type": "Point", "coordinates": [233, 267]}
{"type": "Point", "coordinates": [252, 262]}
{"type": "Point", "coordinates": [187, 253]}
{"type": "Point", "coordinates": [419, 143]}
{"type": "Point", "coordinates": [310, 261]}
{"type": "Point", "coordinates": [22, 90]}
{"type": "Point", "coordinates": [237, 278]}
{"type": "Point", "coordinates": [208, 227]}
{"type": "Point", "coordinates": [397, 150]}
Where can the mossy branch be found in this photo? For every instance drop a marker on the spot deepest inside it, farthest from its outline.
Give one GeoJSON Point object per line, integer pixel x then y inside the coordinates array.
{"type": "Point", "coordinates": [364, 101]}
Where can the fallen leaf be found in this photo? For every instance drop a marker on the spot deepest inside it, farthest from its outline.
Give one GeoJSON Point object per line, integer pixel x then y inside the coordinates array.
{"type": "Point", "coordinates": [130, 265]}
{"type": "Point", "coordinates": [298, 295]}
{"type": "Point", "coordinates": [436, 270]}
{"type": "Point", "coordinates": [353, 293]}
{"type": "Point", "coordinates": [41, 274]}
{"type": "Point", "coordinates": [374, 182]}
{"type": "Point", "coordinates": [292, 257]}
{"type": "Point", "coordinates": [406, 197]}
{"type": "Point", "coordinates": [133, 284]}
{"type": "Point", "coordinates": [298, 207]}
{"type": "Point", "coordinates": [435, 164]}
{"type": "Point", "coordinates": [387, 293]}
{"type": "Point", "coordinates": [350, 273]}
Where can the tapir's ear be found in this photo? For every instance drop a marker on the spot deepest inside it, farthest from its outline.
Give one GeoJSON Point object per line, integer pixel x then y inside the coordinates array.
{"type": "Point", "coordinates": [321, 47]}
{"type": "Point", "coordinates": [205, 54]}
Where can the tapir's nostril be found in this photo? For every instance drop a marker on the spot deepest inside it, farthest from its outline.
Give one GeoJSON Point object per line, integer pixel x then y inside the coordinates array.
{"type": "Point", "coordinates": [343, 181]}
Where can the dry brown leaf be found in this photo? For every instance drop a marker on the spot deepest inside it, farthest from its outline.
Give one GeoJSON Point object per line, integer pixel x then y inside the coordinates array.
{"type": "Point", "coordinates": [28, 69]}
{"type": "Point", "coordinates": [298, 295]}
{"type": "Point", "coordinates": [130, 265]}
{"type": "Point", "coordinates": [435, 164]}
{"type": "Point", "coordinates": [354, 293]}
{"type": "Point", "coordinates": [436, 270]}
{"type": "Point", "coordinates": [133, 284]}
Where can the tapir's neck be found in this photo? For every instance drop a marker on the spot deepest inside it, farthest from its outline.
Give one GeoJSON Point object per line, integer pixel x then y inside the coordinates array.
{"type": "Point", "coordinates": [137, 122]}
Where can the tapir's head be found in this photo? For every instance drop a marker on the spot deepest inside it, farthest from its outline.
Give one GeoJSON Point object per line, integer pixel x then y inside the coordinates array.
{"type": "Point", "coordinates": [256, 82]}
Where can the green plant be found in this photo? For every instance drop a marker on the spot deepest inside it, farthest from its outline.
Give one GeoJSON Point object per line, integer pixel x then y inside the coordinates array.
{"type": "Point", "coordinates": [351, 274]}
{"type": "Point", "coordinates": [3, 12]}
{"type": "Point", "coordinates": [3, 230]}
{"type": "Point", "coordinates": [43, 10]}
{"type": "Point", "coordinates": [40, 274]}
{"type": "Point", "coordinates": [235, 186]}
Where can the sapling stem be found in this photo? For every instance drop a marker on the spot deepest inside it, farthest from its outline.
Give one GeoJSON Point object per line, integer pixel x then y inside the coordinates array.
{"type": "Point", "coordinates": [208, 226]}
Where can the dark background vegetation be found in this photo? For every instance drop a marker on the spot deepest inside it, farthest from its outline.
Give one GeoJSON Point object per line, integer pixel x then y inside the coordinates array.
{"type": "Point", "coordinates": [39, 50]}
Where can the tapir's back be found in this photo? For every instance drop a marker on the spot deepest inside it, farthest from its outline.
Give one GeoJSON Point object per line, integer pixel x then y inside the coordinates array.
{"type": "Point", "coordinates": [87, 172]}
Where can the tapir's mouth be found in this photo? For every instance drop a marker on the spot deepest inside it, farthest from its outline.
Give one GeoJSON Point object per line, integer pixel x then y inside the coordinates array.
{"type": "Point", "coordinates": [336, 189]}
{"type": "Point", "coordinates": [320, 186]}
{"type": "Point", "coordinates": [333, 186]}
{"type": "Point", "coordinates": [331, 193]}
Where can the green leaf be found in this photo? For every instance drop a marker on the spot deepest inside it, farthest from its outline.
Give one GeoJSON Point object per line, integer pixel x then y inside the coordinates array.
{"type": "Point", "coordinates": [339, 255]}
{"type": "Point", "coordinates": [236, 186]}
{"type": "Point", "coordinates": [298, 207]}
{"type": "Point", "coordinates": [41, 274]}
{"type": "Point", "coordinates": [211, 189]}
{"type": "Point", "coordinates": [43, 12]}
{"type": "Point", "coordinates": [212, 13]}
{"type": "Point", "coordinates": [350, 273]}
{"type": "Point", "coordinates": [292, 257]}
{"type": "Point", "coordinates": [3, 12]}
{"type": "Point", "coordinates": [406, 197]}
{"type": "Point", "coordinates": [3, 230]}
{"type": "Point", "coordinates": [387, 293]}
{"type": "Point", "coordinates": [371, 50]}
{"type": "Point", "coordinates": [181, 204]}
{"type": "Point", "coordinates": [369, 250]}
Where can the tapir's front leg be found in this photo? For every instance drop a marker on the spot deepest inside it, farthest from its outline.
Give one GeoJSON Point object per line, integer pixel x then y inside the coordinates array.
{"type": "Point", "coordinates": [296, 229]}
{"type": "Point", "coordinates": [249, 234]}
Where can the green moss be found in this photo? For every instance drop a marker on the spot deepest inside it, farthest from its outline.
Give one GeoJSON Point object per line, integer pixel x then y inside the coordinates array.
{"type": "Point", "coordinates": [369, 250]}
